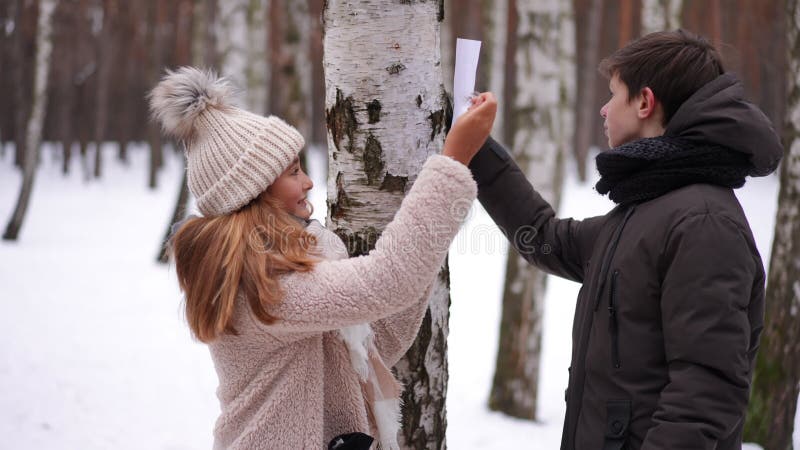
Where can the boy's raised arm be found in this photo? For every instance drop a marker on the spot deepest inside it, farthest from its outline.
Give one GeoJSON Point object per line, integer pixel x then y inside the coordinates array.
{"type": "Point", "coordinates": [557, 246]}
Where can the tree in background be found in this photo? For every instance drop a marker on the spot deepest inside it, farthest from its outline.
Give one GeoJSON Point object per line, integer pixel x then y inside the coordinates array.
{"type": "Point", "coordinates": [776, 384]}
{"type": "Point", "coordinates": [588, 57]}
{"type": "Point", "coordinates": [241, 36]}
{"type": "Point", "coordinates": [203, 54]}
{"type": "Point", "coordinates": [541, 121]}
{"type": "Point", "coordinates": [658, 15]}
{"type": "Point", "coordinates": [290, 83]}
{"type": "Point", "coordinates": [386, 113]}
{"type": "Point", "coordinates": [108, 10]}
{"type": "Point", "coordinates": [34, 123]}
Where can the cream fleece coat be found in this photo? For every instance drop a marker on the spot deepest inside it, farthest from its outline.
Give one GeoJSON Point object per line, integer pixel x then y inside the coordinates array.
{"type": "Point", "coordinates": [291, 385]}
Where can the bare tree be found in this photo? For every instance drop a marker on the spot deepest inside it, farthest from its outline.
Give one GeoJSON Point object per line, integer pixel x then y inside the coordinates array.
{"type": "Point", "coordinates": [541, 123]}
{"type": "Point", "coordinates": [203, 17]}
{"type": "Point", "coordinates": [65, 19]}
{"type": "Point", "coordinates": [33, 131]}
{"type": "Point", "coordinates": [587, 85]}
{"type": "Point", "coordinates": [290, 80]}
{"type": "Point", "coordinates": [317, 93]}
{"type": "Point", "coordinates": [156, 43]}
{"type": "Point", "coordinates": [497, 35]}
{"type": "Point", "coordinates": [776, 383]}
{"type": "Point", "coordinates": [105, 61]}
{"type": "Point", "coordinates": [21, 12]}
{"type": "Point", "coordinates": [242, 47]}
{"type": "Point", "coordinates": [386, 113]}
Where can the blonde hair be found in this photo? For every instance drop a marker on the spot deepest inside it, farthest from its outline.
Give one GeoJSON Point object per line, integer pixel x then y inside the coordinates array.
{"type": "Point", "coordinates": [217, 258]}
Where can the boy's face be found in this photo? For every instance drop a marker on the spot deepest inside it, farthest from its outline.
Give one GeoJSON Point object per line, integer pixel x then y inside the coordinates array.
{"type": "Point", "coordinates": [622, 123]}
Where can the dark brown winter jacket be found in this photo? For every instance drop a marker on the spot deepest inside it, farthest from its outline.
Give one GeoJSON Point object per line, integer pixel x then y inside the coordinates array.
{"type": "Point", "coordinates": [671, 307]}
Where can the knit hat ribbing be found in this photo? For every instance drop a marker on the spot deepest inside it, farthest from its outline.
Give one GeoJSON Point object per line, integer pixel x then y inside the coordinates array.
{"type": "Point", "coordinates": [232, 155]}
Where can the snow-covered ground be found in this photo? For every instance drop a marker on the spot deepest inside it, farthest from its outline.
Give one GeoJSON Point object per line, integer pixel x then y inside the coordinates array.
{"type": "Point", "coordinates": [96, 354]}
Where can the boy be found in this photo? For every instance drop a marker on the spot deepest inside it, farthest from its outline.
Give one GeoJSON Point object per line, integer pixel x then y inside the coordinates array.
{"type": "Point", "coordinates": [671, 308]}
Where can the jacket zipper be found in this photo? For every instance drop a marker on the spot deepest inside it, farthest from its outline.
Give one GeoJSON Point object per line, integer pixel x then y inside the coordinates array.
{"type": "Point", "coordinates": [609, 255]}
{"type": "Point", "coordinates": [613, 325]}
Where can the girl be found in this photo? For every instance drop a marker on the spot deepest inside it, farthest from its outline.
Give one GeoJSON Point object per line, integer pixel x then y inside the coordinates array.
{"type": "Point", "coordinates": [301, 337]}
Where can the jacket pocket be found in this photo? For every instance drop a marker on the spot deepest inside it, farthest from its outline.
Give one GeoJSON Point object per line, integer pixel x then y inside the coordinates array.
{"type": "Point", "coordinates": [613, 321]}
{"type": "Point", "coordinates": [618, 420]}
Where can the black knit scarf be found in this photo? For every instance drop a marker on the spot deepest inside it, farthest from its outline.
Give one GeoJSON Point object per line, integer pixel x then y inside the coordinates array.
{"type": "Point", "coordinates": [648, 168]}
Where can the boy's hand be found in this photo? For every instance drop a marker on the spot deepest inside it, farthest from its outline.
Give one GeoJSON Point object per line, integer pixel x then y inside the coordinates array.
{"type": "Point", "coordinates": [471, 129]}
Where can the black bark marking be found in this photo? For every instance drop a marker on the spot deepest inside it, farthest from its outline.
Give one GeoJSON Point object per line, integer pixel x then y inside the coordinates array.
{"type": "Point", "coordinates": [394, 183]}
{"type": "Point", "coordinates": [395, 68]}
{"type": "Point", "coordinates": [374, 111]}
{"type": "Point", "coordinates": [436, 119]}
{"type": "Point", "coordinates": [448, 110]}
{"type": "Point", "coordinates": [419, 101]}
{"type": "Point", "coordinates": [373, 159]}
{"type": "Point", "coordinates": [341, 120]}
{"type": "Point", "coordinates": [343, 202]}
{"type": "Point", "coordinates": [360, 242]}
{"type": "Point", "coordinates": [416, 436]}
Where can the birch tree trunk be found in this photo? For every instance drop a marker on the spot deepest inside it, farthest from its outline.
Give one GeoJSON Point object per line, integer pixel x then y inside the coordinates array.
{"type": "Point", "coordinates": [542, 124]}
{"type": "Point", "coordinates": [386, 112]}
{"type": "Point", "coordinates": [242, 47]}
{"type": "Point", "coordinates": [33, 131]}
{"type": "Point", "coordinates": [659, 15]}
{"type": "Point", "coordinates": [776, 383]}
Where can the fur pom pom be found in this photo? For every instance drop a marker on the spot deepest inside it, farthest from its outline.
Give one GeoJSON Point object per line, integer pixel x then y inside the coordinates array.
{"type": "Point", "coordinates": [181, 97]}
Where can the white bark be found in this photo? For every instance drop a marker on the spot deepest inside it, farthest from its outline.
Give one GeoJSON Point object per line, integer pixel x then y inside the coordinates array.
{"type": "Point", "coordinates": [543, 128]}
{"type": "Point", "coordinates": [241, 44]}
{"type": "Point", "coordinates": [33, 130]}
{"type": "Point", "coordinates": [658, 15]}
{"type": "Point", "coordinates": [44, 47]}
{"type": "Point", "coordinates": [385, 106]}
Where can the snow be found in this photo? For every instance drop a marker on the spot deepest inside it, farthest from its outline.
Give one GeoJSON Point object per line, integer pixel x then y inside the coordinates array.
{"type": "Point", "coordinates": [97, 355]}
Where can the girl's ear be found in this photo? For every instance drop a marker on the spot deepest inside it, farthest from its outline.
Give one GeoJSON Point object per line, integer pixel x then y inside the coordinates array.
{"type": "Point", "coordinates": [647, 103]}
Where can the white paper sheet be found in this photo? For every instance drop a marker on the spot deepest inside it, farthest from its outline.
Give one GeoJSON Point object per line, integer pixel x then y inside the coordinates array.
{"type": "Point", "coordinates": [467, 53]}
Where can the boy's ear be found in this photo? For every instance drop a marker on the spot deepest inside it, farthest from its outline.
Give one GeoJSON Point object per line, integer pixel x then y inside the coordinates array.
{"type": "Point", "coordinates": [647, 103]}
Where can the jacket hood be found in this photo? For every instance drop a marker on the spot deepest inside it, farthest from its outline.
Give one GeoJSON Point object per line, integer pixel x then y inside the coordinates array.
{"type": "Point", "coordinates": [718, 114]}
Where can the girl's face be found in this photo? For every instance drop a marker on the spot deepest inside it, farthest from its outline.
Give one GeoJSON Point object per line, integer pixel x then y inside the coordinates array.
{"type": "Point", "coordinates": [291, 189]}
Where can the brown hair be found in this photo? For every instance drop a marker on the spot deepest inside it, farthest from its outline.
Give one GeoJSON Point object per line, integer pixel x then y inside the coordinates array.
{"type": "Point", "coordinates": [674, 64]}
{"type": "Point", "coordinates": [219, 257]}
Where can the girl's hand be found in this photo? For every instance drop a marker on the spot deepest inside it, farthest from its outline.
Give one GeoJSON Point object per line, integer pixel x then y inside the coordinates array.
{"type": "Point", "coordinates": [471, 129]}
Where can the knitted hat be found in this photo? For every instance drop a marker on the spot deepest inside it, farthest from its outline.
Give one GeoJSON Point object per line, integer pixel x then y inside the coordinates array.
{"type": "Point", "coordinates": [232, 155]}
